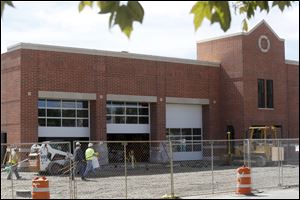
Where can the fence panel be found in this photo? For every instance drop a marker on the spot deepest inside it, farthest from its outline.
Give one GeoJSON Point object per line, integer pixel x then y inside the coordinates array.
{"type": "Point", "coordinates": [228, 156]}
{"type": "Point", "coordinates": [290, 164]}
{"type": "Point", "coordinates": [192, 168]}
{"type": "Point", "coordinates": [107, 181]}
{"type": "Point", "coordinates": [35, 160]}
{"type": "Point", "coordinates": [274, 162]}
{"type": "Point", "coordinates": [148, 169]}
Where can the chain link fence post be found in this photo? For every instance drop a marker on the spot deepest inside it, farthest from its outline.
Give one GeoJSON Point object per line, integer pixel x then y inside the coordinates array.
{"type": "Point", "coordinates": [244, 151]}
{"type": "Point", "coordinates": [171, 170]}
{"type": "Point", "coordinates": [281, 155]}
{"type": "Point", "coordinates": [212, 166]}
{"type": "Point", "coordinates": [125, 168]}
{"type": "Point", "coordinates": [71, 174]}
{"type": "Point", "coordinates": [74, 174]}
{"type": "Point", "coordinates": [12, 182]}
{"type": "Point", "coordinates": [278, 156]}
{"type": "Point", "coordinates": [249, 153]}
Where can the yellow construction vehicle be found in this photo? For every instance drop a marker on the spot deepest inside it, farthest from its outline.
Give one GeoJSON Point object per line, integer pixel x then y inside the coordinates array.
{"type": "Point", "coordinates": [263, 144]}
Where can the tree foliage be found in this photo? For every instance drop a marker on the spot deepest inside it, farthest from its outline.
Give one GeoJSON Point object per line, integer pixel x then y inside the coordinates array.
{"type": "Point", "coordinates": [4, 3]}
{"type": "Point", "coordinates": [124, 14]}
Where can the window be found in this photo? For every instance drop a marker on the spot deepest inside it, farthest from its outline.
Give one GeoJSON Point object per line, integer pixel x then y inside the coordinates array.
{"type": "Point", "coordinates": [127, 112]}
{"type": "Point", "coordinates": [63, 113]}
{"type": "Point", "coordinates": [261, 93]}
{"type": "Point", "coordinates": [269, 93]}
{"type": "Point", "coordinates": [265, 93]}
{"type": "Point", "coordinates": [185, 139]}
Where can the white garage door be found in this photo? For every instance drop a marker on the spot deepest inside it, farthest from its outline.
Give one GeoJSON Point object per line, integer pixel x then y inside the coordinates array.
{"type": "Point", "coordinates": [183, 116]}
{"type": "Point", "coordinates": [184, 128]}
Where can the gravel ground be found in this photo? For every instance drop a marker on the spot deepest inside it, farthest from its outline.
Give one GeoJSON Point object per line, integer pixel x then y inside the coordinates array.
{"type": "Point", "coordinates": [152, 182]}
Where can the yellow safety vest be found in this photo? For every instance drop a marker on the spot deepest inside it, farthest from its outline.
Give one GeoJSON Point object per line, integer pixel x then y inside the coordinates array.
{"type": "Point", "coordinates": [89, 154]}
{"type": "Point", "coordinates": [13, 158]}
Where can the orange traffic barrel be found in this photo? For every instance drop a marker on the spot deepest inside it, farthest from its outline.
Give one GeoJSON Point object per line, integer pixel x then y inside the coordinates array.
{"type": "Point", "coordinates": [243, 180]}
{"type": "Point", "coordinates": [40, 188]}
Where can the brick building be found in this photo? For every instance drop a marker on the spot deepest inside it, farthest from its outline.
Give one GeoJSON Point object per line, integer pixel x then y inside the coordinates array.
{"type": "Point", "coordinates": [237, 81]}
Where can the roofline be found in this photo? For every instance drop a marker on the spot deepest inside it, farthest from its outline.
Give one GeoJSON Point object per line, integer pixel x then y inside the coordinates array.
{"type": "Point", "coordinates": [221, 37]}
{"type": "Point", "coordinates": [242, 33]}
{"type": "Point", "coordinates": [43, 47]}
{"type": "Point", "coordinates": [292, 62]}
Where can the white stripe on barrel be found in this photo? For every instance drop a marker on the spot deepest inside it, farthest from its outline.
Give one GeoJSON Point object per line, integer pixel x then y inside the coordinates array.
{"type": "Point", "coordinates": [40, 189]}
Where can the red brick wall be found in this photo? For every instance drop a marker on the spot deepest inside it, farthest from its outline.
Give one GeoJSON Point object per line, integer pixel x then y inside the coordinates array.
{"type": "Point", "coordinates": [29, 96]}
{"type": "Point", "coordinates": [293, 100]}
{"type": "Point", "coordinates": [269, 65]}
{"type": "Point", "coordinates": [56, 71]}
{"type": "Point", "coordinates": [242, 63]}
{"type": "Point", "coordinates": [10, 96]}
{"type": "Point", "coordinates": [213, 121]}
{"type": "Point", "coordinates": [228, 51]}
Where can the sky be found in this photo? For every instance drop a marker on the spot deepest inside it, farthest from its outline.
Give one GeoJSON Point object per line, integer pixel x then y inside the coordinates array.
{"type": "Point", "coordinates": [167, 28]}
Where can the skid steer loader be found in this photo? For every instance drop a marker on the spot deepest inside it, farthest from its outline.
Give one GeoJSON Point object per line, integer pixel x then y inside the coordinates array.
{"type": "Point", "coordinates": [48, 158]}
{"type": "Point", "coordinates": [261, 145]}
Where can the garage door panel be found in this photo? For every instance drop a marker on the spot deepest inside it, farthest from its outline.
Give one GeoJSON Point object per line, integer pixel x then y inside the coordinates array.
{"type": "Point", "coordinates": [183, 116]}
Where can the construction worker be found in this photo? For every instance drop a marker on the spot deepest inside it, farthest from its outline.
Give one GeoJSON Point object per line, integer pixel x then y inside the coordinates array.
{"type": "Point", "coordinates": [132, 158]}
{"type": "Point", "coordinates": [89, 155]}
{"type": "Point", "coordinates": [13, 163]}
{"type": "Point", "coordinates": [79, 160]}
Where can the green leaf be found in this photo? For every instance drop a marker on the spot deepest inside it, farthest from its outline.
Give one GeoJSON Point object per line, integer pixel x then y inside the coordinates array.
{"type": "Point", "coordinates": [200, 11]}
{"type": "Point", "coordinates": [243, 9]}
{"type": "Point", "coordinates": [124, 20]}
{"type": "Point", "coordinates": [3, 3]}
{"type": "Point", "coordinates": [2, 7]}
{"type": "Point", "coordinates": [137, 11]}
{"type": "Point", "coordinates": [9, 3]}
{"type": "Point", "coordinates": [108, 6]}
{"type": "Point", "coordinates": [111, 18]}
{"type": "Point", "coordinates": [263, 5]}
{"type": "Point", "coordinates": [245, 25]}
{"type": "Point", "coordinates": [222, 12]}
{"type": "Point", "coordinates": [281, 4]}
{"type": "Point", "coordinates": [82, 4]}
{"type": "Point", "coordinates": [127, 30]}
{"type": "Point", "coordinates": [250, 11]}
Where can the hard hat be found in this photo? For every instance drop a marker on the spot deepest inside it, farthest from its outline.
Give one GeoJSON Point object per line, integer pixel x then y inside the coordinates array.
{"type": "Point", "coordinates": [90, 144]}
{"type": "Point", "coordinates": [78, 144]}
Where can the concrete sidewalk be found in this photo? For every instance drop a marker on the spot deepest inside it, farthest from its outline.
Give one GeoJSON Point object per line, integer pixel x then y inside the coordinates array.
{"type": "Point", "coordinates": [276, 193]}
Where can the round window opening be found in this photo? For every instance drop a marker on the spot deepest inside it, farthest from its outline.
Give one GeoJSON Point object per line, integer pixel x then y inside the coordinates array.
{"type": "Point", "coordinates": [264, 43]}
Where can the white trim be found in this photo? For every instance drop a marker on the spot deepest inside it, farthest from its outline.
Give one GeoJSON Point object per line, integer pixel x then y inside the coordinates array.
{"type": "Point", "coordinates": [269, 27]}
{"type": "Point", "coordinates": [265, 108]}
{"type": "Point", "coordinates": [260, 44]}
{"type": "Point", "coordinates": [128, 128]}
{"type": "Point", "coordinates": [241, 33]}
{"type": "Point", "coordinates": [43, 47]}
{"type": "Point", "coordinates": [292, 62]}
{"type": "Point", "coordinates": [177, 100]}
{"type": "Point", "coordinates": [243, 175]}
{"type": "Point", "coordinates": [130, 98]}
{"type": "Point", "coordinates": [221, 37]}
{"type": "Point", "coordinates": [67, 95]}
{"type": "Point", "coordinates": [34, 189]}
{"type": "Point", "coordinates": [243, 185]}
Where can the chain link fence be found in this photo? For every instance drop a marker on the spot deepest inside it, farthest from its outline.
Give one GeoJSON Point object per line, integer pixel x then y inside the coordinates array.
{"type": "Point", "coordinates": [279, 166]}
{"type": "Point", "coordinates": [149, 169]}
{"type": "Point", "coordinates": [127, 169]}
{"type": "Point", "coordinates": [21, 163]}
